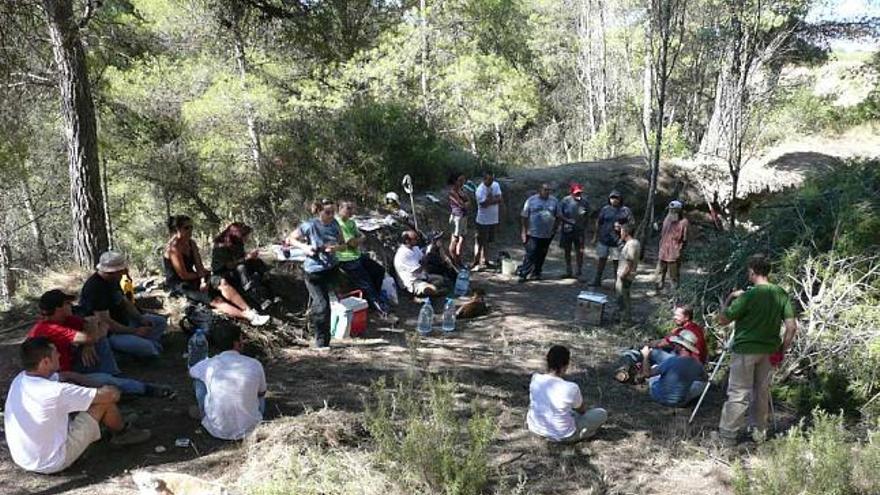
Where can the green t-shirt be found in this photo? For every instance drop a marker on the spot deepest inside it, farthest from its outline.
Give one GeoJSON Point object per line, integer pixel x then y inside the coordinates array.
{"type": "Point", "coordinates": [349, 231]}
{"type": "Point", "coordinates": [759, 314]}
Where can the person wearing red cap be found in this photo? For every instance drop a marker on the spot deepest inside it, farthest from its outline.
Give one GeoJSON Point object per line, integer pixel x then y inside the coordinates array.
{"type": "Point", "coordinates": [574, 210]}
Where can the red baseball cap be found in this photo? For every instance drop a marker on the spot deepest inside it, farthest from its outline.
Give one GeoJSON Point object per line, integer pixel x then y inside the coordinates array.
{"type": "Point", "coordinates": [576, 188]}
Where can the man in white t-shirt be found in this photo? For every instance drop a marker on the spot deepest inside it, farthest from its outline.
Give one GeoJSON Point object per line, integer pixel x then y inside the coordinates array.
{"type": "Point", "coordinates": [409, 263]}
{"type": "Point", "coordinates": [488, 195]}
{"type": "Point", "coordinates": [230, 388]}
{"type": "Point", "coordinates": [557, 410]}
{"type": "Point", "coordinates": [41, 433]}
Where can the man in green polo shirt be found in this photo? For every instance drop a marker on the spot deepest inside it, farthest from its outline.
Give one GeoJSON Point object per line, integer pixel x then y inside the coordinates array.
{"type": "Point", "coordinates": [758, 312]}
{"type": "Point", "coordinates": [362, 271]}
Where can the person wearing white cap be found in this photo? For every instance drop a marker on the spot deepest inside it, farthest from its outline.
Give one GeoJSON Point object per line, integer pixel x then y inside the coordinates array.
{"type": "Point", "coordinates": [673, 237]}
{"type": "Point", "coordinates": [677, 380]}
{"type": "Point", "coordinates": [130, 331]}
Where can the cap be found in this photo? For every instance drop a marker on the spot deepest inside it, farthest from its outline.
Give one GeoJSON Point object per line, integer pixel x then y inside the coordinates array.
{"type": "Point", "coordinates": [576, 188]}
{"type": "Point", "coordinates": [392, 196]}
{"type": "Point", "coordinates": [675, 205]}
{"type": "Point", "coordinates": [53, 299]}
{"type": "Point", "coordinates": [111, 262]}
{"type": "Point", "coordinates": [615, 194]}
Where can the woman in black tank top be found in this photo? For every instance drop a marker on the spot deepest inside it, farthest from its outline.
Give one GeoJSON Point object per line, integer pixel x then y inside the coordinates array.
{"type": "Point", "coordinates": [185, 275]}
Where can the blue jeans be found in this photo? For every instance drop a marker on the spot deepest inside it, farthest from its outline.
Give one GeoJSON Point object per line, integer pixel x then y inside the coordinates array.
{"type": "Point", "coordinates": [694, 391]}
{"type": "Point", "coordinates": [106, 360]}
{"type": "Point", "coordinates": [125, 385]}
{"type": "Point", "coordinates": [202, 391]}
{"type": "Point", "coordinates": [149, 346]}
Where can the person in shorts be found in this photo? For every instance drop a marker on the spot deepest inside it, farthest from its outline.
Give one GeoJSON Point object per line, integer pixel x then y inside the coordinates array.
{"type": "Point", "coordinates": [574, 210]}
{"type": "Point", "coordinates": [50, 418]}
{"type": "Point", "coordinates": [459, 205]}
{"type": "Point", "coordinates": [605, 237]}
{"type": "Point", "coordinates": [557, 410]}
{"type": "Point", "coordinates": [626, 271]}
{"type": "Point", "coordinates": [488, 196]}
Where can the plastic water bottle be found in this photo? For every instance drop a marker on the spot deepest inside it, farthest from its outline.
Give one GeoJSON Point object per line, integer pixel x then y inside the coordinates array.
{"type": "Point", "coordinates": [462, 282]}
{"type": "Point", "coordinates": [426, 318]}
{"type": "Point", "coordinates": [449, 316]}
{"type": "Point", "coordinates": [197, 348]}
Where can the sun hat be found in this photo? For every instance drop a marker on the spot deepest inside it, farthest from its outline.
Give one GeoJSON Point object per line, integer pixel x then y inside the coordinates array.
{"type": "Point", "coordinates": [53, 299]}
{"type": "Point", "coordinates": [686, 339]}
{"type": "Point", "coordinates": [675, 205]}
{"type": "Point", "coordinates": [111, 262]}
{"type": "Point", "coordinates": [576, 188]}
{"type": "Point", "coordinates": [392, 196]}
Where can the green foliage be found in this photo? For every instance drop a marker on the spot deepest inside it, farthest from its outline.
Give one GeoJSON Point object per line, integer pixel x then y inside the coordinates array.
{"type": "Point", "coordinates": [425, 440]}
{"type": "Point", "coordinates": [818, 461]}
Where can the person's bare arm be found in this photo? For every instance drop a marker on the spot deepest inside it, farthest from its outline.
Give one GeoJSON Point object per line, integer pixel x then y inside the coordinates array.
{"type": "Point", "coordinates": [107, 394]}
{"type": "Point", "coordinates": [596, 231]}
{"type": "Point", "coordinates": [524, 221]}
{"type": "Point", "coordinates": [722, 318]}
{"type": "Point", "coordinates": [646, 363]}
{"type": "Point", "coordinates": [297, 240]}
{"type": "Point", "coordinates": [180, 269]}
{"type": "Point", "coordinates": [582, 408]}
{"type": "Point", "coordinates": [790, 331]}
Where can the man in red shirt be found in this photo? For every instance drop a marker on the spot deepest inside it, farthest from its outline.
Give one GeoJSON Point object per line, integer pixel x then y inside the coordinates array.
{"type": "Point", "coordinates": [661, 350]}
{"type": "Point", "coordinates": [83, 347]}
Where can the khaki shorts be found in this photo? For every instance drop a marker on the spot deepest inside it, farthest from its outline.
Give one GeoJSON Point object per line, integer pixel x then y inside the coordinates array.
{"type": "Point", "coordinates": [82, 431]}
{"type": "Point", "coordinates": [459, 225]}
{"type": "Point", "coordinates": [605, 251]}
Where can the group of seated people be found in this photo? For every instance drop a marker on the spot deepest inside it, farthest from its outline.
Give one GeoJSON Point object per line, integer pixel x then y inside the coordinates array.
{"type": "Point", "coordinates": [673, 367]}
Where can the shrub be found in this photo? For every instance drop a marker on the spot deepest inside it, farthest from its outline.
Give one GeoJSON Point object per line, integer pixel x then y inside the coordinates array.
{"type": "Point", "coordinates": [820, 461]}
{"type": "Point", "coordinates": [424, 440]}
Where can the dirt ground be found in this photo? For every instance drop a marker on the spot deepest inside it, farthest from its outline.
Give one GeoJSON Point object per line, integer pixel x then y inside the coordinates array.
{"type": "Point", "coordinates": [643, 449]}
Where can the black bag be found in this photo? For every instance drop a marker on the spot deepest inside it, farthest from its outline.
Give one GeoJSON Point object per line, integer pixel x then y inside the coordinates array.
{"type": "Point", "coordinates": [198, 316]}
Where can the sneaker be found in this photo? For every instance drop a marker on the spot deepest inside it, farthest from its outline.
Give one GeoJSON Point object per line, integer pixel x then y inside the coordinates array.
{"type": "Point", "coordinates": [255, 318]}
{"type": "Point", "coordinates": [130, 436]}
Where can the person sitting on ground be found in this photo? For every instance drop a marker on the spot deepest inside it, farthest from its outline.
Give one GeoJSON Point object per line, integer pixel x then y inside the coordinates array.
{"type": "Point", "coordinates": [438, 260]}
{"type": "Point", "coordinates": [243, 271]}
{"type": "Point", "coordinates": [673, 237]}
{"type": "Point", "coordinates": [675, 382]}
{"type": "Point", "coordinates": [557, 410]}
{"type": "Point", "coordinates": [409, 263]}
{"type": "Point", "coordinates": [82, 346]}
{"type": "Point", "coordinates": [363, 272]}
{"type": "Point", "coordinates": [606, 237]}
{"type": "Point", "coordinates": [682, 316]}
{"type": "Point", "coordinates": [50, 417]}
{"type": "Point", "coordinates": [574, 210]}
{"type": "Point", "coordinates": [459, 202]}
{"type": "Point", "coordinates": [185, 274]}
{"type": "Point", "coordinates": [131, 331]}
{"type": "Point", "coordinates": [320, 238]}
{"type": "Point", "coordinates": [230, 388]}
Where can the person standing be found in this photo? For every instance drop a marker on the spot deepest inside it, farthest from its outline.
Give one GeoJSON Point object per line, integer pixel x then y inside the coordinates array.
{"type": "Point", "coordinates": [488, 196]}
{"type": "Point", "coordinates": [51, 417]}
{"type": "Point", "coordinates": [320, 238]}
{"type": "Point", "coordinates": [673, 237]}
{"type": "Point", "coordinates": [605, 236]}
{"type": "Point", "coordinates": [131, 331]}
{"type": "Point", "coordinates": [557, 410]}
{"type": "Point", "coordinates": [459, 203]}
{"type": "Point", "coordinates": [539, 222]}
{"type": "Point", "coordinates": [626, 271]}
{"type": "Point", "coordinates": [573, 212]}
{"type": "Point", "coordinates": [758, 312]}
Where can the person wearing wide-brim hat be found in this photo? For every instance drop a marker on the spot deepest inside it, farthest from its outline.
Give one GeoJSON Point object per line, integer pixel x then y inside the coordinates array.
{"type": "Point", "coordinates": [606, 237]}
{"type": "Point", "coordinates": [130, 331]}
{"type": "Point", "coordinates": [673, 238]}
{"type": "Point", "coordinates": [677, 380]}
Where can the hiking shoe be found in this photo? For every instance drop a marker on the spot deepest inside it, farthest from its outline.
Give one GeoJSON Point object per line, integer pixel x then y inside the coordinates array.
{"type": "Point", "coordinates": [256, 319]}
{"type": "Point", "coordinates": [160, 391]}
{"type": "Point", "coordinates": [130, 436]}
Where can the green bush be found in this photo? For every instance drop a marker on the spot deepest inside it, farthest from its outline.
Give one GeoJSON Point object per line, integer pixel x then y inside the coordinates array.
{"type": "Point", "coordinates": [818, 461]}
{"type": "Point", "coordinates": [424, 440]}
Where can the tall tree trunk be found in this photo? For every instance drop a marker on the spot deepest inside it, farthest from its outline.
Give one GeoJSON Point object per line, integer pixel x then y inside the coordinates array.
{"type": "Point", "coordinates": [647, 92]}
{"type": "Point", "coordinates": [7, 280]}
{"type": "Point", "coordinates": [250, 113]}
{"type": "Point", "coordinates": [423, 77]}
{"type": "Point", "coordinates": [105, 192]}
{"type": "Point", "coordinates": [80, 126]}
{"type": "Point", "coordinates": [34, 220]}
{"type": "Point", "coordinates": [603, 66]}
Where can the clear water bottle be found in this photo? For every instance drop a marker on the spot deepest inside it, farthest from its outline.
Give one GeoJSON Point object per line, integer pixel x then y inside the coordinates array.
{"type": "Point", "coordinates": [449, 316]}
{"type": "Point", "coordinates": [462, 282]}
{"type": "Point", "coordinates": [197, 348]}
{"type": "Point", "coordinates": [426, 318]}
